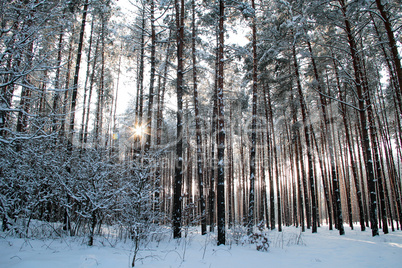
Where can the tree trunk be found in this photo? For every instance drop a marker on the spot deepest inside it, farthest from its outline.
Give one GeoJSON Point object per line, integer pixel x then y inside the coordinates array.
{"type": "Point", "coordinates": [309, 156]}
{"type": "Point", "coordinates": [213, 140]}
{"type": "Point", "coordinates": [300, 173]}
{"type": "Point", "coordinates": [148, 131]}
{"type": "Point", "coordinates": [198, 130]}
{"type": "Point", "coordinates": [177, 198]}
{"type": "Point", "coordinates": [378, 164]}
{"type": "Point", "coordinates": [324, 182]}
{"type": "Point", "coordinates": [56, 97]}
{"type": "Point", "coordinates": [251, 206]}
{"type": "Point", "coordinates": [139, 108]}
{"type": "Point", "coordinates": [101, 92]}
{"type": "Point", "coordinates": [84, 102]}
{"type": "Point", "coordinates": [270, 119]}
{"type": "Point", "coordinates": [221, 131]}
{"type": "Point", "coordinates": [159, 193]}
{"type": "Point", "coordinates": [91, 85]}
{"type": "Point", "coordinates": [349, 145]}
{"type": "Point", "coordinates": [362, 95]}
{"type": "Point", "coordinates": [75, 82]}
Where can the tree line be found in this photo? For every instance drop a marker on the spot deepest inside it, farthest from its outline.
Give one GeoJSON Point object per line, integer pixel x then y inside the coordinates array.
{"type": "Point", "coordinates": [301, 126]}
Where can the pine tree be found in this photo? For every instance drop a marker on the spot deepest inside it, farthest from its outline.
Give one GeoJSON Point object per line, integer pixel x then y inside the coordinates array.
{"type": "Point", "coordinates": [221, 130]}
{"type": "Point", "coordinates": [251, 211]}
{"type": "Point", "coordinates": [178, 176]}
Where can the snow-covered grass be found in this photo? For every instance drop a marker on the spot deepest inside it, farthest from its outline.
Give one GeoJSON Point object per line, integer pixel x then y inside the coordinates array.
{"type": "Point", "coordinates": [291, 248]}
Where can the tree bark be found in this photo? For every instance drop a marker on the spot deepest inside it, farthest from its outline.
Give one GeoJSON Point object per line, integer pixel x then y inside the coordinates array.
{"type": "Point", "coordinates": [75, 81]}
{"type": "Point", "coordinates": [252, 159]}
{"type": "Point", "coordinates": [198, 130]}
{"type": "Point", "coordinates": [148, 131]}
{"type": "Point", "coordinates": [270, 119]}
{"type": "Point", "coordinates": [362, 95]}
{"type": "Point", "coordinates": [177, 198]}
{"type": "Point", "coordinates": [221, 130]}
{"type": "Point", "coordinates": [308, 145]}
{"type": "Point", "coordinates": [84, 102]}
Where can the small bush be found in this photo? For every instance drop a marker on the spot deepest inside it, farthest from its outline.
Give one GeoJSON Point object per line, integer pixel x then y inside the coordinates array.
{"type": "Point", "coordinates": [260, 238]}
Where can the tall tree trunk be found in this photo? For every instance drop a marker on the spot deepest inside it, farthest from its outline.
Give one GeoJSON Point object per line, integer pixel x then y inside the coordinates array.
{"type": "Point", "coordinates": [140, 87]}
{"type": "Point", "coordinates": [356, 178]}
{"type": "Point", "coordinates": [56, 97]}
{"type": "Point", "coordinates": [269, 161]}
{"type": "Point", "coordinates": [287, 150]}
{"type": "Point", "coordinates": [263, 181]}
{"type": "Point", "coordinates": [301, 179]}
{"type": "Point", "coordinates": [362, 95]}
{"type": "Point", "coordinates": [99, 105]}
{"type": "Point", "coordinates": [75, 82]}
{"type": "Point", "coordinates": [65, 101]}
{"type": "Point", "coordinates": [198, 130]}
{"type": "Point", "coordinates": [148, 131]}
{"type": "Point", "coordinates": [91, 85]}
{"type": "Point", "coordinates": [243, 186]}
{"type": "Point", "coordinates": [177, 198]}
{"type": "Point", "coordinates": [324, 181]}
{"type": "Point", "coordinates": [334, 174]}
{"type": "Point", "coordinates": [213, 140]}
{"type": "Point", "coordinates": [159, 193]}
{"type": "Point", "coordinates": [251, 207]}
{"type": "Point", "coordinates": [346, 178]}
{"type": "Point", "coordinates": [84, 102]}
{"type": "Point", "coordinates": [392, 173]}
{"type": "Point", "coordinates": [221, 130]}
{"type": "Point", "coordinates": [308, 145]}
{"type": "Point", "coordinates": [229, 178]}
{"type": "Point", "coordinates": [300, 173]}
{"type": "Point", "coordinates": [275, 152]}
{"type": "Point", "coordinates": [113, 111]}
{"type": "Point", "coordinates": [188, 197]}
{"type": "Point", "coordinates": [378, 164]}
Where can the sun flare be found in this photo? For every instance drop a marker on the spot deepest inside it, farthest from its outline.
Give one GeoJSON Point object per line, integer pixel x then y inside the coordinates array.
{"type": "Point", "coordinates": [139, 130]}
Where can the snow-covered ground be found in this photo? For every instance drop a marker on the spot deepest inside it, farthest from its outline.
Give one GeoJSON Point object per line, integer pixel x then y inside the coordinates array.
{"type": "Point", "coordinates": [291, 248]}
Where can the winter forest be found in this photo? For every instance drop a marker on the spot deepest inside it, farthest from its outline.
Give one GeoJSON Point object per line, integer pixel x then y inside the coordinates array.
{"type": "Point", "coordinates": [237, 116]}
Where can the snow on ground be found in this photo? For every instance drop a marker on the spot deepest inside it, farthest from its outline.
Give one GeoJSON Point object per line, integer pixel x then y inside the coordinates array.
{"type": "Point", "coordinates": [291, 248]}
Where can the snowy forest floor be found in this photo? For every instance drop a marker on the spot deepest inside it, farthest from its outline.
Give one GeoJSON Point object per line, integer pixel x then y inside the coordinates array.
{"type": "Point", "coordinates": [291, 248]}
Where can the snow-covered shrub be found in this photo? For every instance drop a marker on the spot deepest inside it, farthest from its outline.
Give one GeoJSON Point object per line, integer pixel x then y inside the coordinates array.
{"type": "Point", "coordinates": [73, 193]}
{"type": "Point", "coordinates": [238, 234]}
{"type": "Point", "coordinates": [260, 238]}
{"type": "Point", "coordinates": [30, 185]}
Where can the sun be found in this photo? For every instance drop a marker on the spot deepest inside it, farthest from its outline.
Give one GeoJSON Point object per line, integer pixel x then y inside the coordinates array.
{"type": "Point", "coordinates": [139, 130]}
